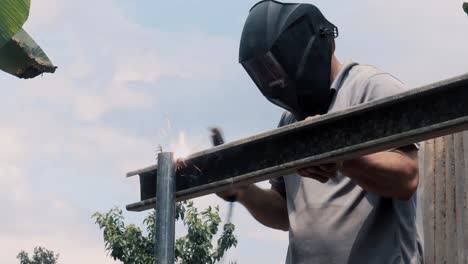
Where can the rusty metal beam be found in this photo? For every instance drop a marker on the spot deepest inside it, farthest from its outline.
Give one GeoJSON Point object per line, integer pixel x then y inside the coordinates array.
{"type": "Point", "coordinates": [428, 112]}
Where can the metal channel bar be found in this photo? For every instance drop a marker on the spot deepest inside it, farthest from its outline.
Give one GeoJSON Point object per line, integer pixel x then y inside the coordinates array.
{"type": "Point", "coordinates": [165, 209]}
{"type": "Point", "coordinates": [419, 114]}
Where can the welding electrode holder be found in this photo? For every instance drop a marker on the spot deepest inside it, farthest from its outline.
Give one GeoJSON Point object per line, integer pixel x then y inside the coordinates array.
{"type": "Point", "coordinates": [217, 139]}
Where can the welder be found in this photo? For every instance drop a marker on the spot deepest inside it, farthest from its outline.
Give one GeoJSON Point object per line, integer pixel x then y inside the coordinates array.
{"type": "Point", "coordinates": [362, 210]}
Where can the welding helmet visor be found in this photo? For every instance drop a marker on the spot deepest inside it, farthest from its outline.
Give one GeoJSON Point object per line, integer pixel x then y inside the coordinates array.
{"type": "Point", "coordinates": [271, 79]}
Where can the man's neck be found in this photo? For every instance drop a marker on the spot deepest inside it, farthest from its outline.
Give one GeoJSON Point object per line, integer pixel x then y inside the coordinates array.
{"type": "Point", "coordinates": [335, 68]}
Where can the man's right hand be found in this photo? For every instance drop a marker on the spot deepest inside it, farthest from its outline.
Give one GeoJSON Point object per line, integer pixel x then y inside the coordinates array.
{"type": "Point", "coordinates": [266, 205]}
{"type": "Point", "coordinates": [233, 194]}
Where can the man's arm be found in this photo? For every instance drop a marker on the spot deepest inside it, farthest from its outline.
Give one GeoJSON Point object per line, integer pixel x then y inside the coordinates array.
{"type": "Point", "coordinates": [388, 174]}
{"type": "Point", "coordinates": [266, 206]}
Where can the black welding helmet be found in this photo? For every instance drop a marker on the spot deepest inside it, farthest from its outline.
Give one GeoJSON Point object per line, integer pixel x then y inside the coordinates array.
{"type": "Point", "coordinates": [287, 50]}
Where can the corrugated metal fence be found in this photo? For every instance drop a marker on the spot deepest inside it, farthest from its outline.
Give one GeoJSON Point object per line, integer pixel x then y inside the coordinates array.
{"type": "Point", "coordinates": [444, 189]}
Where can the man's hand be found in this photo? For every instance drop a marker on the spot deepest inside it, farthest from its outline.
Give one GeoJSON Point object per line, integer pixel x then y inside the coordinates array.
{"type": "Point", "coordinates": [321, 173]}
{"type": "Point", "coordinates": [267, 206]}
{"type": "Point", "coordinates": [233, 194]}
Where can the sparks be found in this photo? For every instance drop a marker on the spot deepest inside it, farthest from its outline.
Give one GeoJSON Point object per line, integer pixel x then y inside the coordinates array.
{"type": "Point", "coordinates": [181, 150]}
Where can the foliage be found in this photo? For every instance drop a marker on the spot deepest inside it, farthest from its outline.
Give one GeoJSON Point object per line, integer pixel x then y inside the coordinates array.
{"type": "Point", "coordinates": [465, 7]}
{"type": "Point", "coordinates": [129, 245]}
{"type": "Point", "coordinates": [19, 53]}
{"type": "Point", "coordinates": [13, 15]}
{"type": "Point", "coordinates": [41, 256]}
{"type": "Point", "coordinates": [22, 57]}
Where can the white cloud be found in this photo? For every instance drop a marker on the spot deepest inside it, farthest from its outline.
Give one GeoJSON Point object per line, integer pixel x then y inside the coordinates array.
{"type": "Point", "coordinates": [425, 37]}
{"type": "Point", "coordinates": [11, 144]}
{"type": "Point", "coordinates": [88, 103]}
{"type": "Point", "coordinates": [44, 13]}
{"type": "Point", "coordinates": [56, 118]}
{"type": "Point", "coordinates": [95, 144]}
{"type": "Point", "coordinates": [39, 219]}
{"type": "Point", "coordinates": [100, 58]}
{"type": "Point", "coordinates": [80, 68]}
{"type": "Point", "coordinates": [14, 182]}
{"type": "Point", "coordinates": [91, 106]}
{"type": "Point", "coordinates": [139, 68]}
{"type": "Point", "coordinates": [73, 248]}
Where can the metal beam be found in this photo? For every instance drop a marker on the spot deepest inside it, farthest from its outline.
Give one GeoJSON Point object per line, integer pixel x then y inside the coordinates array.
{"type": "Point", "coordinates": [165, 210]}
{"type": "Point", "coordinates": [417, 115]}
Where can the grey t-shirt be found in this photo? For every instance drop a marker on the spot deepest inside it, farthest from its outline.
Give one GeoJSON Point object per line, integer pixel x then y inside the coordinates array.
{"type": "Point", "coordinates": [339, 222]}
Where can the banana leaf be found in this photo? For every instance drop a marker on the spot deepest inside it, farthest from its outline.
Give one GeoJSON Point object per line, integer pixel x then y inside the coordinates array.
{"type": "Point", "coordinates": [22, 57]}
{"type": "Point", "coordinates": [465, 7]}
{"type": "Point", "coordinates": [13, 15]}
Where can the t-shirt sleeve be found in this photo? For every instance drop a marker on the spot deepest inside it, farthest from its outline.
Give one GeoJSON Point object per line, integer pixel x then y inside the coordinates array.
{"type": "Point", "coordinates": [380, 86]}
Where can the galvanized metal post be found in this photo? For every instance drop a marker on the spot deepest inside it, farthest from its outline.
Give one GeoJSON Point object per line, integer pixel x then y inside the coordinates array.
{"type": "Point", "coordinates": [165, 209]}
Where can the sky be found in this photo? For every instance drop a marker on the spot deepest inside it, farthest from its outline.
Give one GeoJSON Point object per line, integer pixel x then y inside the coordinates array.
{"type": "Point", "coordinates": [137, 74]}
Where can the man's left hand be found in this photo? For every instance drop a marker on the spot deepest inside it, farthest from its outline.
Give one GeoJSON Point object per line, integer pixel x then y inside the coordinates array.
{"type": "Point", "coordinates": [321, 173]}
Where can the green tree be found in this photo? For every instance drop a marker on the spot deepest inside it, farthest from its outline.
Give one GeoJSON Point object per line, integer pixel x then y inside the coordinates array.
{"type": "Point", "coordinates": [128, 244]}
{"type": "Point", "coordinates": [41, 256]}
{"type": "Point", "coordinates": [465, 7]}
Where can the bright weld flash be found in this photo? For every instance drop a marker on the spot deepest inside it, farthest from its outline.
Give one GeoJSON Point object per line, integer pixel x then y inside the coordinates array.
{"type": "Point", "coordinates": [181, 150]}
